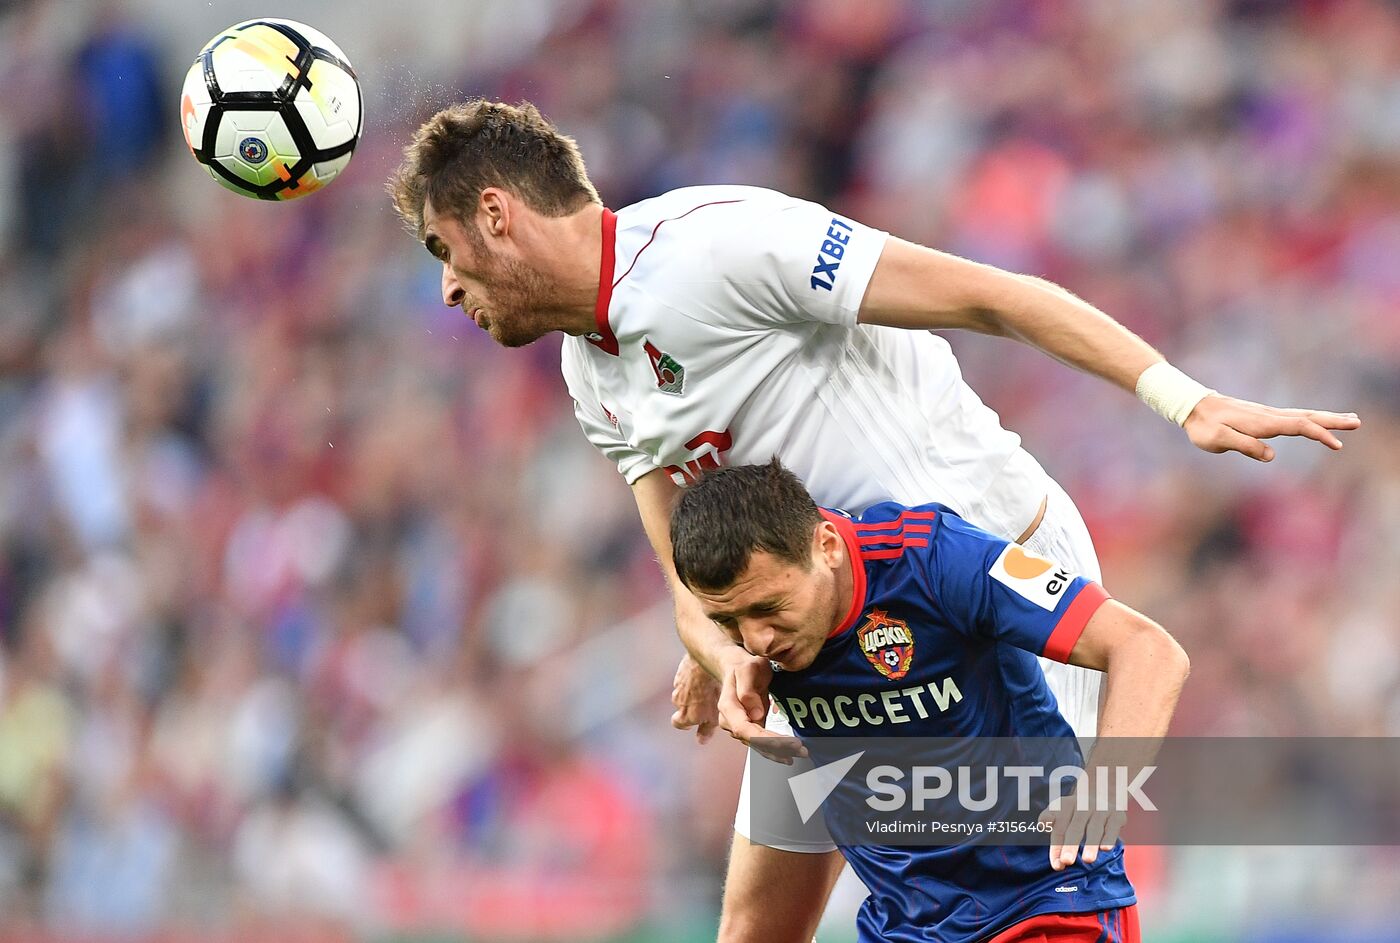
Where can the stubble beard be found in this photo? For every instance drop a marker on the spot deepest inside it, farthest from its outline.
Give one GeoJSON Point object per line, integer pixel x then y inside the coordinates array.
{"type": "Point", "coordinates": [520, 295]}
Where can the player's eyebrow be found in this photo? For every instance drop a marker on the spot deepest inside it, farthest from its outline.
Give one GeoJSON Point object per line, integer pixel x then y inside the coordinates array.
{"type": "Point", "coordinates": [772, 602]}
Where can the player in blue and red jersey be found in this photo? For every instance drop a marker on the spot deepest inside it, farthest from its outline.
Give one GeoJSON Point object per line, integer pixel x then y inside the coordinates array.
{"type": "Point", "coordinates": [912, 622]}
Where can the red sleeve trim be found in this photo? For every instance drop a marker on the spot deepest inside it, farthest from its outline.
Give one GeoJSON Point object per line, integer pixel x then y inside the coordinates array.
{"type": "Point", "coordinates": [1071, 624]}
{"type": "Point", "coordinates": [847, 530]}
{"type": "Point", "coordinates": [606, 340]}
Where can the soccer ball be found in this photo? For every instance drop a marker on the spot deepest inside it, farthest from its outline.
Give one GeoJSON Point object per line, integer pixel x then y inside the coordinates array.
{"type": "Point", "coordinates": [272, 109]}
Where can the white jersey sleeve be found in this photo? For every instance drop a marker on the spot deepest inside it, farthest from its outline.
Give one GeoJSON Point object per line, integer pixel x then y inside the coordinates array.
{"type": "Point", "coordinates": [598, 425]}
{"type": "Point", "coordinates": [793, 261]}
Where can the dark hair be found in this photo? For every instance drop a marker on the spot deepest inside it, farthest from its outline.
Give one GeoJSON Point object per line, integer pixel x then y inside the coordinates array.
{"type": "Point", "coordinates": [731, 512]}
{"type": "Point", "coordinates": [466, 148]}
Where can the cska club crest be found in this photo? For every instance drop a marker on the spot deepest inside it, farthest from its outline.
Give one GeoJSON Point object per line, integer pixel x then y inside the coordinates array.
{"type": "Point", "coordinates": [887, 643]}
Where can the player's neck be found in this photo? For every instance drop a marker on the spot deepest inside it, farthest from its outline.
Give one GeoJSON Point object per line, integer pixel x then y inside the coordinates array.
{"type": "Point", "coordinates": [845, 586]}
{"type": "Point", "coordinates": [573, 245]}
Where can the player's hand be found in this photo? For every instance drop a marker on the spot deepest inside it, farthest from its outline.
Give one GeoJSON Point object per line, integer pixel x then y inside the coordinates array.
{"type": "Point", "coordinates": [1078, 823]}
{"type": "Point", "coordinates": [743, 707]}
{"type": "Point", "coordinates": [695, 695]}
{"type": "Point", "coordinates": [1225, 424]}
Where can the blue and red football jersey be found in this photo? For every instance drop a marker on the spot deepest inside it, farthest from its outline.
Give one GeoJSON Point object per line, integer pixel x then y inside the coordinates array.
{"type": "Point", "coordinates": [941, 641]}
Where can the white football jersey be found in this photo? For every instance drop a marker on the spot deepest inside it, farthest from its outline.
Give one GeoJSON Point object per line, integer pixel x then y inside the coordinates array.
{"type": "Point", "coordinates": [727, 334]}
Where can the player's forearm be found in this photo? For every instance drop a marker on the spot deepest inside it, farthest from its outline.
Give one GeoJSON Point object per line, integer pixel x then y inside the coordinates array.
{"type": "Point", "coordinates": [706, 642]}
{"type": "Point", "coordinates": [1146, 671]}
{"type": "Point", "coordinates": [1068, 328]}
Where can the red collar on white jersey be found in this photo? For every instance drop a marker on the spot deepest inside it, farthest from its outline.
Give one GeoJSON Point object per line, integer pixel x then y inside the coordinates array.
{"type": "Point", "coordinates": [604, 339]}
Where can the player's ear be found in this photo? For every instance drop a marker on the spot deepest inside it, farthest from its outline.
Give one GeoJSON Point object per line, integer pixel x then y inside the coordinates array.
{"type": "Point", "coordinates": [495, 211]}
{"type": "Point", "coordinates": [828, 548]}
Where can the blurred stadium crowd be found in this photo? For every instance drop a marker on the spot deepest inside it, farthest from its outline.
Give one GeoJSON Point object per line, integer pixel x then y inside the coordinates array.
{"type": "Point", "coordinates": [318, 611]}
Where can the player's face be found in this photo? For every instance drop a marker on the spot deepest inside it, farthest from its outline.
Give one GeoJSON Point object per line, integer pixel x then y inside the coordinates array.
{"type": "Point", "coordinates": [506, 297]}
{"type": "Point", "coordinates": [777, 609]}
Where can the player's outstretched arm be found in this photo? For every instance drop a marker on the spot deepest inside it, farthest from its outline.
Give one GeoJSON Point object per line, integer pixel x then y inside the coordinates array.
{"type": "Point", "coordinates": [717, 682]}
{"type": "Point", "coordinates": [920, 288]}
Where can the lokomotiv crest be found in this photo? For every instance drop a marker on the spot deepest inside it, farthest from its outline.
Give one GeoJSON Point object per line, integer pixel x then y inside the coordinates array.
{"type": "Point", "coordinates": [888, 644]}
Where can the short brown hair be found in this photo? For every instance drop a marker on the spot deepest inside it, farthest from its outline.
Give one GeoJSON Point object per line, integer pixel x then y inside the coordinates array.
{"type": "Point", "coordinates": [730, 512]}
{"type": "Point", "coordinates": [466, 148]}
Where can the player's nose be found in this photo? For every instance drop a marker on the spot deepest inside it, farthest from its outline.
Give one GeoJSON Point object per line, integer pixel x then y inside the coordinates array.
{"type": "Point", "coordinates": [452, 293]}
{"type": "Point", "coordinates": [759, 638]}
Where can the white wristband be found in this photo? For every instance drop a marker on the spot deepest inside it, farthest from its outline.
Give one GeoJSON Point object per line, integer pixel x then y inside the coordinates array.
{"type": "Point", "coordinates": [1170, 393]}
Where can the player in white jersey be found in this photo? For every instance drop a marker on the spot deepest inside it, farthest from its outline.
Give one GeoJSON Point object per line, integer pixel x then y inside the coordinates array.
{"type": "Point", "coordinates": [729, 324]}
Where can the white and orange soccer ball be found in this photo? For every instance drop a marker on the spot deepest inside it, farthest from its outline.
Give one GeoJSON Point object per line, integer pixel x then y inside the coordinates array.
{"type": "Point", "coordinates": [272, 109]}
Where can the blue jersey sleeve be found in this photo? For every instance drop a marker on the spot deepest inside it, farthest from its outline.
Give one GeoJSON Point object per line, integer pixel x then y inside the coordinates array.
{"type": "Point", "coordinates": [991, 588]}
